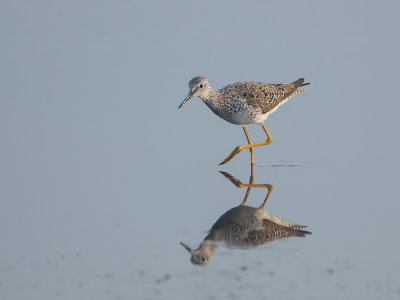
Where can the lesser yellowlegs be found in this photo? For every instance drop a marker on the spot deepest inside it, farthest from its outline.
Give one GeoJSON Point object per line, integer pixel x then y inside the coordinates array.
{"type": "Point", "coordinates": [244, 226]}
{"type": "Point", "coordinates": [244, 103]}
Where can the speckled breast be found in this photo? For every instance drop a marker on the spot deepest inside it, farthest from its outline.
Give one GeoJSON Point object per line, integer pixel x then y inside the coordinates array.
{"type": "Point", "coordinates": [238, 112]}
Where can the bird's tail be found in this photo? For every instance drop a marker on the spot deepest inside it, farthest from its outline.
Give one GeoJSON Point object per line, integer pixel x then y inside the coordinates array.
{"type": "Point", "coordinates": [300, 82]}
{"type": "Point", "coordinates": [301, 233]}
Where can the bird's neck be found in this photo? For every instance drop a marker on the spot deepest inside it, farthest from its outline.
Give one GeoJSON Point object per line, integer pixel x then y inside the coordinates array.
{"type": "Point", "coordinates": [212, 99]}
{"type": "Point", "coordinates": [207, 248]}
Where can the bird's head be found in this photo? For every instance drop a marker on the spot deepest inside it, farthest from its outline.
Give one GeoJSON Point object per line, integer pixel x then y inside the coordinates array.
{"type": "Point", "coordinates": [198, 86]}
{"type": "Point", "coordinates": [202, 255]}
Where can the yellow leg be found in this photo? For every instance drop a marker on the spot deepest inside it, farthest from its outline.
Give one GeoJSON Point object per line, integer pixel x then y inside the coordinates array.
{"type": "Point", "coordinates": [249, 141]}
{"type": "Point", "coordinates": [240, 148]}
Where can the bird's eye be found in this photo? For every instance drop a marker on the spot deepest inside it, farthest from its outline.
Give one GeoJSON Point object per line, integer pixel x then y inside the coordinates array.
{"type": "Point", "coordinates": [201, 85]}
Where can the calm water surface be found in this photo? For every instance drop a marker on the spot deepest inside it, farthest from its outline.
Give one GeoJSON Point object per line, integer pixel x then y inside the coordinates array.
{"type": "Point", "coordinates": [102, 177]}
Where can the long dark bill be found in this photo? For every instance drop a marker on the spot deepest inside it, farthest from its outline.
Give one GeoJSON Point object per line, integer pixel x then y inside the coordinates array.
{"type": "Point", "coordinates": [190, 250]}
{"type": "Point", "coordinates": [190, 95]}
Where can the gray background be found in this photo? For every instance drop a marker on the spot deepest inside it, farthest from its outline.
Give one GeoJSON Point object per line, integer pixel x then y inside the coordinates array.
{"type": "Point", "coordinates": [101, 176]}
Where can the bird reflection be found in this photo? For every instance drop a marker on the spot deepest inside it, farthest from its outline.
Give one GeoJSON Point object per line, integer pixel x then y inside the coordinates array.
{"type": "Point", "coordinates": [244, 226]}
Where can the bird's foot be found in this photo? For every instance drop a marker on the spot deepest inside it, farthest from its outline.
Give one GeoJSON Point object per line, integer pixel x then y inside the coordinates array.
{"type": "Point", "coordinates": [232, 155]}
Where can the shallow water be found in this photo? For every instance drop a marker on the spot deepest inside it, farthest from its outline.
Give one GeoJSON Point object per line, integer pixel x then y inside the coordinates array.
{"type": "Point", "coordinates": [102, 176]}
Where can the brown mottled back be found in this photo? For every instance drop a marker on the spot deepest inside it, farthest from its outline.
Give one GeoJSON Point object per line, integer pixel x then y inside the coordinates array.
{"type": "Point", "coordinates": [272, 231]}
{"type": "Point", "coordinates": [262, 95]}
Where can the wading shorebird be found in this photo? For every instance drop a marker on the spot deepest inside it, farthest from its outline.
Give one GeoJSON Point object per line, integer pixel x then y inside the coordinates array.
{"type": "Point", "coordinates": [244, 103]}
{"type": "Point", "coordinates": [244, 226]}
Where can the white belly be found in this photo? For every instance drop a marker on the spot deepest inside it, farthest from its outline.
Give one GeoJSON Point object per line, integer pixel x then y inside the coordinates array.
{"type": "Point", "coordinates": [243, 116]}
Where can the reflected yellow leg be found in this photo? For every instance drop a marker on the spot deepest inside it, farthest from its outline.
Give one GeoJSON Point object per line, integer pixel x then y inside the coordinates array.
{"type": "Point", "coordinates": [249, 186]}
{"type": "Point", "coordinates": [251, 146]}
{"type": "Point", "coordinates": [239, 184]}
{"type": "Point", "coordinates": [251, 180]}
{"type": "Point", "coordinates": [270, 188]}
